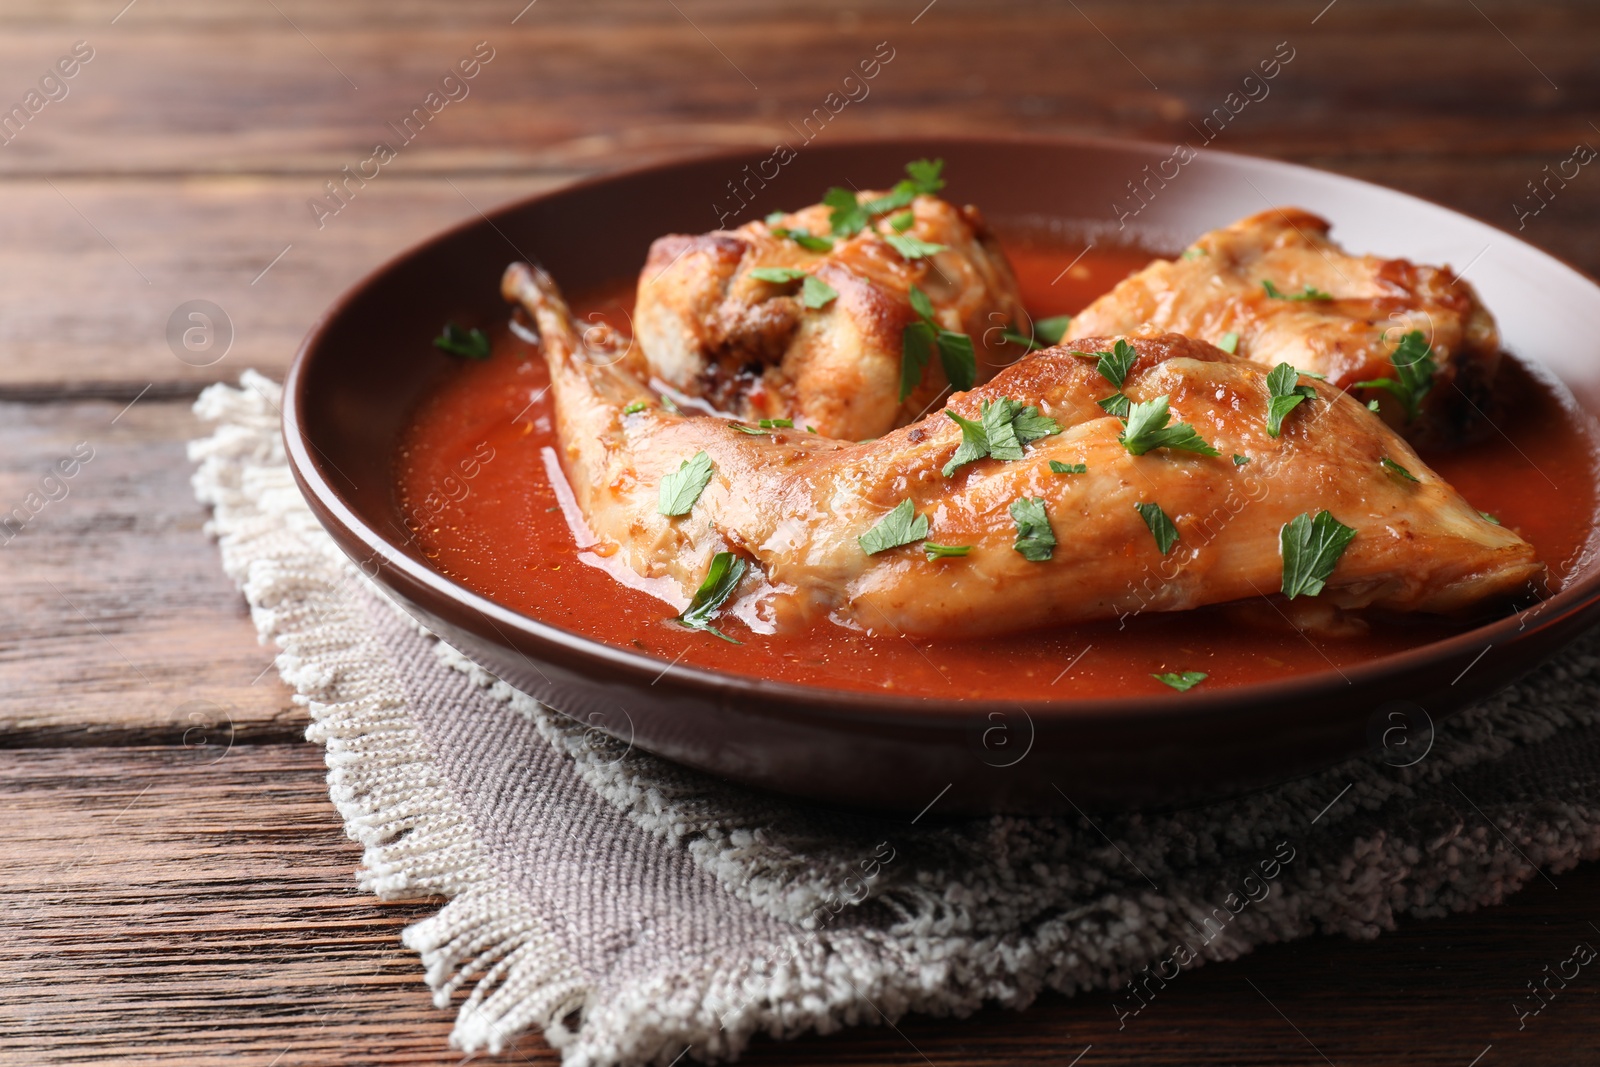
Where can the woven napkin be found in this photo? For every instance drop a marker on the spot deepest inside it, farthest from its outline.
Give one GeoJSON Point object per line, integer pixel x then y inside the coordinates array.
{"type": "Point", "coordinates": [634, 910]}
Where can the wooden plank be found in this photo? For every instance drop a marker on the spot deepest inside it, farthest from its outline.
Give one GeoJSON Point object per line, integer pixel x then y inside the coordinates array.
{"type": "Point", "coordinates": [306, 87]}
{"type": "Point", "coordinates": [163, 906]}
{"type": "Point", "coordinates": [144, 247]}
{"type": "Point", "coordinates": [116, 621]}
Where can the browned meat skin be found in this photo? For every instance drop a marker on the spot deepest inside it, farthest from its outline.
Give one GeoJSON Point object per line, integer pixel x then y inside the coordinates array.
{"type": "Point", "coordinates": [1217, 290]}
{"type": "Point", "coordinates": [750, 348]}
{"type": "Point", "coordinates": [795, 503]}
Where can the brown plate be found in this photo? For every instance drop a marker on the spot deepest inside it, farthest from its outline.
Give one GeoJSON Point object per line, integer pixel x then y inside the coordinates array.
{"type": "Point", "coordinates": [367, 362]}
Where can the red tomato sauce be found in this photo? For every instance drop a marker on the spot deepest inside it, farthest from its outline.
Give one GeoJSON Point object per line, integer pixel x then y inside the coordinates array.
{"type": "Point", "coordinates": [471, 483]}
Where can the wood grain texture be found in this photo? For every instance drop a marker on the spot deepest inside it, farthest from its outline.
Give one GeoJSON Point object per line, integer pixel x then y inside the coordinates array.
{"type": "Point", "coordinates": [116, 621]}
{"type": "Point", "coordinates": [172, 905]}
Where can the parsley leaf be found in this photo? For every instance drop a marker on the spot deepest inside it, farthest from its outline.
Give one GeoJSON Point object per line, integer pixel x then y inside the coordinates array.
{"type": "Point", "coordinates": [468, 344]}
{"type": "Point", "coordinates": [1309, 292]}
{"type": "Point", "coordinates": [1394, 468]}
{"type": "Point", "coordinates": [902, 222]}
{"type": "Point", "coordinates": [1058, 467]}
{"type": "Point", "coordinates": [804, 239]}
{"type": "Point", "coordinates": [912, 247]}
{"type": "Point", "coordinates": [742, 428]}
{"type": "Point", "coordinates": [916, 349]}
{"type": "Point", "coordinates": [1001, 430]}
{"type": "Point", "coordinates": [1229, 343]}
{"type": "Point", "coordinates": [900, 527]}
{"type": "Point", "coordinates": [943, 551]}
{"type": "Point", "coordinates": [1182, 681]}
{"type": "Point", "coordinates": [772, 424]}
{"type": "Point", "coordinates": [1009, 425]}
{"type": "Point", "coordinates": [1414, 369]}
{"type": "Point", "coordinates": [1283, 383]}
{"type": "Point", "coordinates": [1161, 527]}
{"type": "Point", "coordinates": [1147, 429]}
{"type": "Point", "coordinates": [848, 216]}
{"type": "Point", "coordinates": [1113, 367]}
{"type": "Point", "coordinates": [1035, 539]}
{"type": "Point", "coordinates": [1239, 461]}
{"type": "Point", "coordinates": [921, 338]}
{"type": "Point", "coordinates": [816, 293]}
{"type": "Point", "coordinates": [1311, 548]}
{"type": "Point", "coordinates": [1115, 404]}
{"type": "Point", "coordinates": [974, 444]}
{"type": "Point", "coordinates": [722, 578]}
{"type": "Point", "coordinates": [682, 487]}
{"type": "Point", "coordinates": [634, 406]}
{"type": "Point", "coordinates": [1115, 364]}
{"type": "Point", "coordinates": [775, 217]}
{"type": "Point", "coordinates": [923, 174]}
{"type": "Point", "coordinates": [777, 275]}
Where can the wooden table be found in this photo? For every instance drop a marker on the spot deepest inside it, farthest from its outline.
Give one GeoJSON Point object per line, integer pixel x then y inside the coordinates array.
{"type": "Point", "coordinates": [176, 887]}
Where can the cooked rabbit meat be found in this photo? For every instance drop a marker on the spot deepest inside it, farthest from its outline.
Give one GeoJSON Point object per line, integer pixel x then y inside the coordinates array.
{"type": "Point", "coordinates": [797, 504]}
{"type": "Point", "coordinates": [1217, 288]}
{"type": "Point", "coordinates": [712, 329]}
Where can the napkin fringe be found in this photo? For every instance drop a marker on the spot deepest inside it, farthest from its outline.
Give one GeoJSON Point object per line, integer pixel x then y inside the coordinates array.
{"type": "Point", "coordinates": [415, 837]}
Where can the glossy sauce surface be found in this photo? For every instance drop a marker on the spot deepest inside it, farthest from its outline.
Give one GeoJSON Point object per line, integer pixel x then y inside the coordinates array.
{"type": "Point", "coordinates": [473, 484]}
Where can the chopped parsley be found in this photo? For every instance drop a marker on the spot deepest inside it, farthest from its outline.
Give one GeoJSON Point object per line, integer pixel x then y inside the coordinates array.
{"type": "Point", "coordinates": [901, 526]}
{"type": "Point", "coordinates": [682, 487]}
{"type": "Point", "coordinates": [776, 424]}
{"type": "Point", "coordinates": [920, 339]}
{"type": "Point", "coordinates": [1113, 367]}
{"type": "Point", "coordinates": [1311, 548]}
{"type": "Point", "coordinates": [1035, 539]}
{"type": "Point", "coordinates": [634, 406]}
{"type": "Point", "coordinates": [1000, 431]}
{"type": "Point", "coordinates": [742, 428]}
{"type": "Point", "coordinates": [670, 405]}
{"type": "Point", "coordinates": [1182, 681]}
{"type": "Point", "coordinates": [1488, 517]}
{"type": "Point", "coordinates": [944, 551]}
{"type": "Point", "coordinates": [902, 222]}
{"type": "Point", "coordinates": [1309, 292]}
{"type": "Point", "coordinates": [913, 247]}
{"type": "Point", "coordinates": [1147, 429]}
{"type": "Point", "coordinates": [1394, 468]}
{"type": "Point", "coordinates": [1372, 405]}
{"type": "Point", "coordinates": [1161, 527]}
{"type": "Point", "coordinates": [1229, 343]}
{"type": "Point", "coordinates": [850, 214]}
{"type": "Point", "coordinates": [814, 292]}
{"type": "Point", "coordinates": [1283, 384]}
{"type": "Point", "coordinates": [804, 239]}
{"type": "Point", "coordinates": [777, 275]}
{"type": "Point", "coordinates": [1193, 253]}
{"type": "Point", "coordinates": [775, 217]}
{"type": "Point", "coordinates": [468, 344]}
{"type": "Point", "coordinates": [1414, 369]}
{"type": "Point", "coordinates": [1239, 461]}
{"type": "Point", "coordinates": [722, 578]}
{"type": "Point", "coordinates": [1115, 404]}
{"type": "Point", "coordinates": [1058, 467]}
